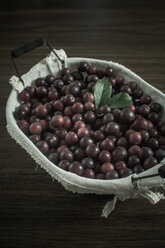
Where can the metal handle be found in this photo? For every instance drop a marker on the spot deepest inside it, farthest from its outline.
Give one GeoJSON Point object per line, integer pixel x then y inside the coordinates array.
{"type": "Point", "coordinates": [27, 48]}
{"type": "Point", "coordinates": [161, 173]}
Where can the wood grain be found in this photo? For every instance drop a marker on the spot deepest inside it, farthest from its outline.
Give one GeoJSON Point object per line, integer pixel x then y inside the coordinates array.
{"type": "Point", "coordinates": [34, 210]}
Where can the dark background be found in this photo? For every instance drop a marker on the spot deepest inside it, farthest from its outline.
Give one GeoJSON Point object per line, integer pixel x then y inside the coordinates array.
{"type": "Point", "coordinates": [34, 210]}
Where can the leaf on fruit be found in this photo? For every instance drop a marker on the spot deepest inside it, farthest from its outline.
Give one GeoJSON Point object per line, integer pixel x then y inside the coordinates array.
{"type": "Point", "coordinates": [102, 92]}
{"type": "Point", "coordinates": [121, 100]}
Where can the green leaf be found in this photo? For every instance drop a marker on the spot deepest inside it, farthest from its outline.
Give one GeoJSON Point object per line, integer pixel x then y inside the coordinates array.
{"type": "Point", "coordinates": [121, 100]}
{"type": "Point", "coordinates": [102, 92]}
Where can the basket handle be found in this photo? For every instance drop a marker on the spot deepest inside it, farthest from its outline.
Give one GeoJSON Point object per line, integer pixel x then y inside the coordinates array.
{"type": "Point", "coordinates": [27, 48]}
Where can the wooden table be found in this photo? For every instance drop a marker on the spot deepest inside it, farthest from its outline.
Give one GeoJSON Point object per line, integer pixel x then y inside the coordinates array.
{"type": "Point", "coordinates": [34, 210]}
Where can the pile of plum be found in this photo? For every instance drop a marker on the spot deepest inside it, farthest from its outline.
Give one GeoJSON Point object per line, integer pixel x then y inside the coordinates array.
{"type": "Point", "coordinates": [58, 115]}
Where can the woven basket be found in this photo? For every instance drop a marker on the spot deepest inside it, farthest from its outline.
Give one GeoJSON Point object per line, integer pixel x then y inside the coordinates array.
{"type": "Point", "coordinates": [121, 188]}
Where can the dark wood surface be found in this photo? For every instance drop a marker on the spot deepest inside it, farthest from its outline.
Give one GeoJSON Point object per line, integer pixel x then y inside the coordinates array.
{"type": "Point", "coordinates": [34, 210]}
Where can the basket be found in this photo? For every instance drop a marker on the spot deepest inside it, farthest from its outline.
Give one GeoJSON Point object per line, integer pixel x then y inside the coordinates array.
{"type": "Point", "coordinates": [122, 189]}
